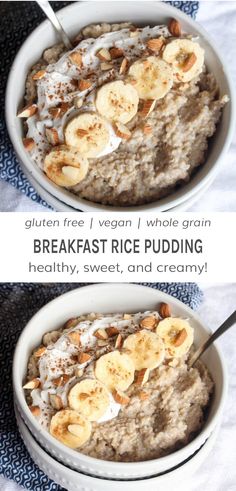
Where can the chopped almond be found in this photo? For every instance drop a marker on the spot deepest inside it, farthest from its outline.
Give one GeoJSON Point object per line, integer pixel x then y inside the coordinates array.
{"type": "Point", "coordinates": [101, 334]}
{"type": "Point", "coordinates": [38, 75]}
{"type": "Point", "coordinates": [119, 341]}
{"type": "Point", "coordinates": [155, 44]}
{"type": "Point", "coordinates": [79, 102]}
{"type": "Point", "coordinates": [84, 84]}
{"type": "Point", "coordinates": [149, 322]}
{"type": "Point", "coordinates": [76, 58]}
{"type": "Point", "coordinates": [112, 331]}
{"type": "Point", "coordinates": [79, 372]}
{"type": "Point", "coordinates": [101, 343]}
{"type": "Point", "coordinates": [56, 401]}
{"type": "Point", "coordinates": [120, 397]}
{"type": "Point", "coordinates": [134, 33]}
{"type": "Point", "coordinates": [123, 66]}
{"type": "Point", "coordinates": [105, 66]}
{"type": "Point", "coordinates": [191, 60]}
{"type": "Point", "coordinates": [180, 337]}
{"type": "Point", "coordinates": [164, 310]}
{"type": "Point", "coordinates": [147, 107]}
{"type": "Point", "coordinates": [122, 131]}
{"type": "Point", "coordinates": [52, 136]}
{"type": "Point", "coordinates": [127, 316]}
{"type": "Point", "coordinates": [174, 28]}
{"type": "Point", "coordinates": [116, 53]}
{"type": "Point", "coordinates": [142, 376]}
{"type": "Point", "coordinates": [74, 337]}
{"type": "Point", "coordinates": [83, 358]}
{"type": "Point", "coordinates": [27, 111]}
{"type": "Point", "coordinates": [32, 384]}
{"type": "Point", "coordinates": [62, 380]}
{"type": "Point", "coordinates": [54, 112]}
{"type": "Point", "coordinates": [81, 132]}
{"type": "Point", "coordinates": [143, 395]}
{"type": "Point", "coordinates": [147, 129]}
{"type": "Point", "coordinates": [64, 106]}
{"type": "Point", "coordinates": [103, 55]}
{"type": "Point", "coordinates": [28, 143]}
{"type": "Point", "coordinates": [71, 323]}
{"type": "Point", "coordinates": [35, 410]}
{"type": "Point", "coordinates": [40, 352]}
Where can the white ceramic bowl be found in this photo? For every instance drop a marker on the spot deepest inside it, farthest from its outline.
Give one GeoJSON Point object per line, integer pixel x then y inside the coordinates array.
{"type": "Point", "coordinates": [74, 481]}
{"type": "Point", "coordinates": [73, 18]}
{"type": "Point", "coordinates": [107, 298]}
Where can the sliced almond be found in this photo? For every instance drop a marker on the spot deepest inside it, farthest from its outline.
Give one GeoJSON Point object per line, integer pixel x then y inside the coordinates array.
{"type": "Point", "coordinates": [84, 84]}
{"type": "Point", "coordinates": [32, 384]}
{"type": "Point", "coordinates": [112, 331]}
{"type": "Point", "coordinates": [189, 62]}
{"type": "Point", "coordinates": [143, 395]}
{"type": "Point", "coordinates": [35, 410]}
{"type": "Point", "coordinates": [103, 55]}
{"type": "Point", "coordinates": [155, 44]}
{"type": "Point", "coordinates": [116, 53]}
{"type": "Point", "coordinates": [123, 66]}
{"type": "Point", "coordinates": [74, 337]}
{"type": "Point", "coordinates": [28, 143]}
{"type": "Point", "coordinates": [147, 108]}
{"type": "Point", "coordinates": [38, 75]}
{"type": "Point", "coordinates": [122, 131]}
{"type": "Point", "coordinates": [40, 351]}
{"type": "Point", "coordinates": [147, 129]}
{"type": "Point", "coordinates": [52, 136]}
{"type": "Point", "coordinates": [105, 66]}
{"type": "Point", "coordinates": [76, 58]}
{"type": "Point", "coordinates": [120, 397]}
{"type": "Point", "coordinates": [164, 310]}
{"type": "Point", "coordinates": [142, 376]}
{"type": "Point", "coordinates": [71, 323]}
{"type": "Point", "coordinates": [174, 27]}
{"type": "Point", "coordinates": [101, 334]}
{"type": "Point", "coordinates": [148, 322]}
{"type": "Point", "coordinates": [119, 342]}
{"type": "Point", "coordinates": [180, 337]}
{"type": "Point", "coordinates": [54, 112]}
{"type": "Point", "coordinates": [83, 358]}
{"type": "Point", "coordinates": [56, 401]}
{"type": "Point", "coordinates": [61, 381]}
{"type": "Point", "coordinates": [27, 111]}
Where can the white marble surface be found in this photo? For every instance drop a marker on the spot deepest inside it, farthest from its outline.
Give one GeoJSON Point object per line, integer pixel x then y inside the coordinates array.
{"type": "Point", "coordinates": [219, 18]}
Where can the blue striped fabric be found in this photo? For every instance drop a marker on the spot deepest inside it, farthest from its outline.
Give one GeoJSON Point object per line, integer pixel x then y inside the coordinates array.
{"type": "Point", "coordinates": [15, 462]}
{"type": "Point", "coordinates": [16, 24]}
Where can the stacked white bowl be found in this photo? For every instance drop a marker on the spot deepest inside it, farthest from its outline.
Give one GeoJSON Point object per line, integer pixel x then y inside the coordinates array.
{"type": "Point", "coordinates": [81, 471]}
{"type": "Point", "coordinates": [73, 18]}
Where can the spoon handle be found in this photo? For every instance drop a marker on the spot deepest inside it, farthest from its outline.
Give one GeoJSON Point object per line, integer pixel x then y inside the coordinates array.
{"type": "Point", "coordinates": [229, 322]}
{"type": "Point", "coordinates": [46, 7]}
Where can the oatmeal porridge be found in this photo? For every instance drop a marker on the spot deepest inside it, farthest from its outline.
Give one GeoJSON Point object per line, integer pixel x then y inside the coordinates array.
{"type": "Point", "coordinates": [117, 387]}
{"type": "Point", "coordinates": [126, 116]}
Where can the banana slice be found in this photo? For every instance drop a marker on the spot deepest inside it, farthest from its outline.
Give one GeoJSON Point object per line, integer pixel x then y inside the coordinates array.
{"type": "Point", "coordinates": [70, 428]}
{"type": "Point", "coordinates": [89, 133]}
{"type": "Point", "coordinates": [152, 77]}
{"type": "Point", "coordinates": [65, 166]}
{"type": "Point", "coordinates": [186, 57]}
{"type": "Point", "coordinates": [115, 370]}
{"type": "Point", "coordinates": [117, 101]}
{"type": "Point", "coordinates": [177, 335]}
{"type": "Point", "coordinates": [145, 348]}
{"type": "Point", "coordinates": [90, 398]}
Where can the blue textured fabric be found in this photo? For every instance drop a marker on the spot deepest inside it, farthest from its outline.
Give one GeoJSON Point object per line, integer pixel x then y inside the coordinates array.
{"type": "Point", "coordinates": [15, 462]}
{"type": "Point", "coordinates": [16, 24]}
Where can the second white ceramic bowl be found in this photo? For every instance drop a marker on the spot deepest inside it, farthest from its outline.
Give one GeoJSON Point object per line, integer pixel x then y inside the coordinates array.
{"type": "Point", "coordinates": [107, 298]}
{"type": "Point", "coordinates": [73, 18]}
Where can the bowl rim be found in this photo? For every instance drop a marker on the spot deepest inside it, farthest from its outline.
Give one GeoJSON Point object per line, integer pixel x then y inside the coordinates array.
{"type": "Point", "coordinates": [175, 198]}
{"type": "Point", "coordinates": [110, 465]}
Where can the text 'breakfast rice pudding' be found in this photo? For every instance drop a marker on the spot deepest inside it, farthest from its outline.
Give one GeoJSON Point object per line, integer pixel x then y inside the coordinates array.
{"type": "Point", "coordinates": [117, 387]}
{"type": "Point", "coordinates": [124, 117]}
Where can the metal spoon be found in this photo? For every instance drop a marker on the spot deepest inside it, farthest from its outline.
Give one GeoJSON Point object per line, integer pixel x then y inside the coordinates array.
{"type": "Point", "coordinates": [223, 328]}
{"type": "Point", "coordinates": [46, 7]}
